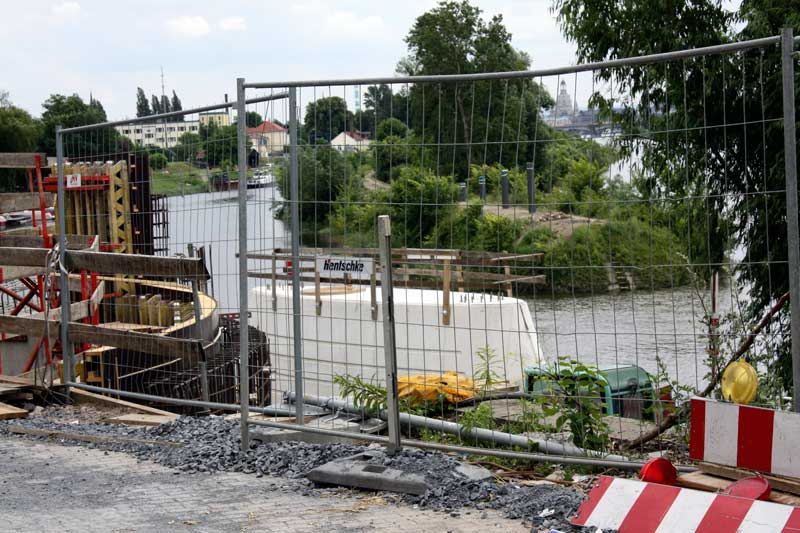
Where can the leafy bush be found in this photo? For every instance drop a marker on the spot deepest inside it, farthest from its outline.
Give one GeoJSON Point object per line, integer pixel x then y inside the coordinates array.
{"type": "Point", "coordinates": [158, 161]}
{"type": "Point", "coordinates": [574, 392]}
{"type": "Point", "coordinates": [579, 263]}
{"type": "Point", "coordinates": [471, 229]}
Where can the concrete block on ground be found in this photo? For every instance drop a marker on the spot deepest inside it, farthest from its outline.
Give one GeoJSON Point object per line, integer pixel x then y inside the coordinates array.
{"type": "Point", "coordinates": [364, 471]}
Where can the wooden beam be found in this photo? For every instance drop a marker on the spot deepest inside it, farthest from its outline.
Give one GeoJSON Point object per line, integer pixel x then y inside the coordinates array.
{"type": "Point", "coordinates": [706, 482]}
{"type": "Point", "coordinates": [7, 412]}
{"type": "Point", "coordinates": [20, 430]}
{"type": "Point", "coordinates": [729, 472]}
{"type": "Point", "coordinates": [82, 397]}
{"type": "Point", "coordinates": [187, 349]}
{"type": "Point", "coordinates": [134, 264]}
{"type": "Point", "coordinates": [27, 257]}
{"type": "Point", "coordinates": [22, 160]}
{"type": "Point", "coordinates": [74, 242]}
{"type": "Point", "coordinates": [23, 201]}
{"type": "Point", "coordinates": [110, 263]}
{"type": "Point", "coordinates": [7, 273]}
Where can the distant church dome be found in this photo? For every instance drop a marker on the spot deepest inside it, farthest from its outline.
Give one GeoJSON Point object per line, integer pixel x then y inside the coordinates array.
{"type": "Point", "coordinates": [565, 105]}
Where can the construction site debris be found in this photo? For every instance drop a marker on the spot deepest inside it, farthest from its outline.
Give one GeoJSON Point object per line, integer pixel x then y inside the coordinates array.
{"type": "Point", "coordinates": [8, 412]}
{"type": "Point", "coordinates": [212, 443]}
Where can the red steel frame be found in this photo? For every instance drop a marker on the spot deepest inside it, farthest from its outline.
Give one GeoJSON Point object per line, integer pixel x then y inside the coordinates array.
{"type": "Point", "coordinates": [36, 289]}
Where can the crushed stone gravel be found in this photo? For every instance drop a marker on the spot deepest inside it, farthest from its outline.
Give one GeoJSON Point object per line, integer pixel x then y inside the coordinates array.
{"type": "Point", "coordinates": [210, 444]}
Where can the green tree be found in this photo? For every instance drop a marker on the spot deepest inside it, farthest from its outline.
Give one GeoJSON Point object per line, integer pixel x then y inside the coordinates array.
{"type": "Point", "coordinates": [453, 38]}
{"type": "Point", "coordinates": [142, 105]}
{"type": "Point", "coordinates": [724, 177]}
{"type": "Point", "coordinates": [155, 105]}
{"type": "Point", "coordinates": [189, 144]}
{"type": "Point", "coordinates": [327, 117]}
{"type": "Point", "coordinates": [19, 132]}
{"type": "Point", "coordinates": [177, 106]}
{"type": "Point", "coordinates": [390, 127]}
{"type": "Point", "coordinates": [220, 145]}
{"type": "Point", "coordinates": [69, 111]}
{"type": "Point", "coordinates": [325, 175]}
{"type": "Point", "coordinates": [166, 106]}
{"type": "Point", "coordinates": [253, 119]}
{"type": "Point", "coordinates": [378, 98]}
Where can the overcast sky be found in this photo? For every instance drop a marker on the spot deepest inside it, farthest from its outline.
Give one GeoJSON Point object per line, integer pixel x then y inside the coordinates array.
{"type": "Point", "coordinates": [111, 47]}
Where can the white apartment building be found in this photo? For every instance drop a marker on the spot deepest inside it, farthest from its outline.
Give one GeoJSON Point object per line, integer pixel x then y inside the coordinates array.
{"type": "Point", "coordinates": [159, 135]}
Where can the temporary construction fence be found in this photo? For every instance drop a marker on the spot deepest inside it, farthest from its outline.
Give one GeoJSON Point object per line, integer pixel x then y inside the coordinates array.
{"type": "Point", "coordinates": [534, 241]}
{"type": "Point", "coordinates": [559, 257]}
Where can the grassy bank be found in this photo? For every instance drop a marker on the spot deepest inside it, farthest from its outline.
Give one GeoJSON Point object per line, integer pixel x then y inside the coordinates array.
{"type": "Point", "coordinates": [177, 179]}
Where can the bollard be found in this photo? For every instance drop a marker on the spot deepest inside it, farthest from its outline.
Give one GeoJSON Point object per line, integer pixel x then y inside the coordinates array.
{"type": "Point", "coordinates": [531, 190]}
{"type": "Point", "coordinates": [504, 188]}
{"type": "Point", "coordinates": [482, 187]}
{"type": "Point", "coordinates": [463, 191]}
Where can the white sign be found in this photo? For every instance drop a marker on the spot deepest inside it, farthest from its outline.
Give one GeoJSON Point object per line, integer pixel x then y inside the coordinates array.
{"type": "Point", "coordinates": [73, 181]}
{"type": "Point", "coordinates": [339, 267]}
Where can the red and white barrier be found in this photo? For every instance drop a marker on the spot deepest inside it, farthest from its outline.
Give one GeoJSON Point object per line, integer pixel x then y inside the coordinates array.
{"type": "Point", "coordinates": [746, 437]}
{"type": "Point", "coordinates": [632, 506]}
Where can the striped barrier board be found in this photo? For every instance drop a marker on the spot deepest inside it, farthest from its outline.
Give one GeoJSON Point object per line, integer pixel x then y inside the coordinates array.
{"type": "Point", "coordinates": [632, 506]}
{"type": "Point", "coordinates": [745, 437]}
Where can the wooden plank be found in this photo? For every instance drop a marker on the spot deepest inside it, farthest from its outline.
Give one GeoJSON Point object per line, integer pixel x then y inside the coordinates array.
{"type": "Point", "coordinates": [701, 481]}
{"type": "Point", "coordinates": [27, 257]}
{"type": "Point", "coordinates": [467, 274]}
{"type": "Point", "coordinates": [100, 439]}
{"type": "Point", "coordinates": [7, 273]}
{"type": "Point", "coordinates": [23, 201]}
{"type": "Point", "coordinates": [99, 335]}
{"type": "Point", "coordinates": [134, 264]}
{"type": "Point", "coordinates": [9, 412]}
{"type": "Point", "coordinates": [415, 283]}
{"type": "Point", "coordinates": [74, 242]}
{"type": "Point", "coordinates": [22, 160]}
{"type": "Point", "coordinates": [110, 263]}
{"type": "Point", "coordinates": [777, 482]}
{"type": "Point", "coordinates": [84, 397]}
{"type": "Point", "coordinates": [141, 419]}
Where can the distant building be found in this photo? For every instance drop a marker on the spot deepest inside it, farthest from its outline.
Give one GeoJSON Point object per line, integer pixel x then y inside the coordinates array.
{"type": "Point", "coordinates": [350, 141]}
{"type": "Point", "coordinates": [220, 118]}
{"type": "Point", "coordinates": [268, 138]}
{"type": "Point", "coordinates": [159, 135]}
{"type": "Point", "coordinates": [565, 105]}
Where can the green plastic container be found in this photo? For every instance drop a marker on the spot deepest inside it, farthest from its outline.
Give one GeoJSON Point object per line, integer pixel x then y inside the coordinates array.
{"type": "Point", "coordinates": [627, 390]}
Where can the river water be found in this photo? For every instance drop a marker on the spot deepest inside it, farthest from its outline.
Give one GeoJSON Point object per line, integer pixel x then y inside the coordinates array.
{"type": "Point", "coordinates": [606, 329]}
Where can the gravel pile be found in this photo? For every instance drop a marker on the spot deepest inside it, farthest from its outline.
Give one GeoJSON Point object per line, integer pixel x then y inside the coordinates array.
{"type": "Point", "coordinates": [211, 444]}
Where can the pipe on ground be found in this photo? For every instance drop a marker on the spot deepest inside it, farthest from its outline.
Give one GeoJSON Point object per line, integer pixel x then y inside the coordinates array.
{"type": "Point", "coordinates": [453, 428]}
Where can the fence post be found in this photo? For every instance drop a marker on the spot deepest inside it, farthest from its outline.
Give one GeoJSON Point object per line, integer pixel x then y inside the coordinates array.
{"type": "Point", "coordinates": [793, 234]}
{"type": "Point", "coordinates": [68, 364]}
{"type": "Point", "coordinates": [244, 340]}
{"type": "Point", "coordinates": [297, 324]}
{"type": "Point", "coordinates": [390, 350]}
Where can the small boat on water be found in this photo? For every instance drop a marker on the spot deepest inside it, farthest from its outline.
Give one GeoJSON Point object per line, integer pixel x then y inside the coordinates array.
{"type": "Point", "coordinates": [437, 330]}
{"type": "Point", "coordinates": [261, 179]}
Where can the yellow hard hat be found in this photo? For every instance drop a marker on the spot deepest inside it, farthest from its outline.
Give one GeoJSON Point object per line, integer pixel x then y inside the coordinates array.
{"type": "Point", "coordinates": [739, 382]}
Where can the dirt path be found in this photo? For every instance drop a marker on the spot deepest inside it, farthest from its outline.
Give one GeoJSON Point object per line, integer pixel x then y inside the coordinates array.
{"type": "Point", "coordinates": [562, 224]}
